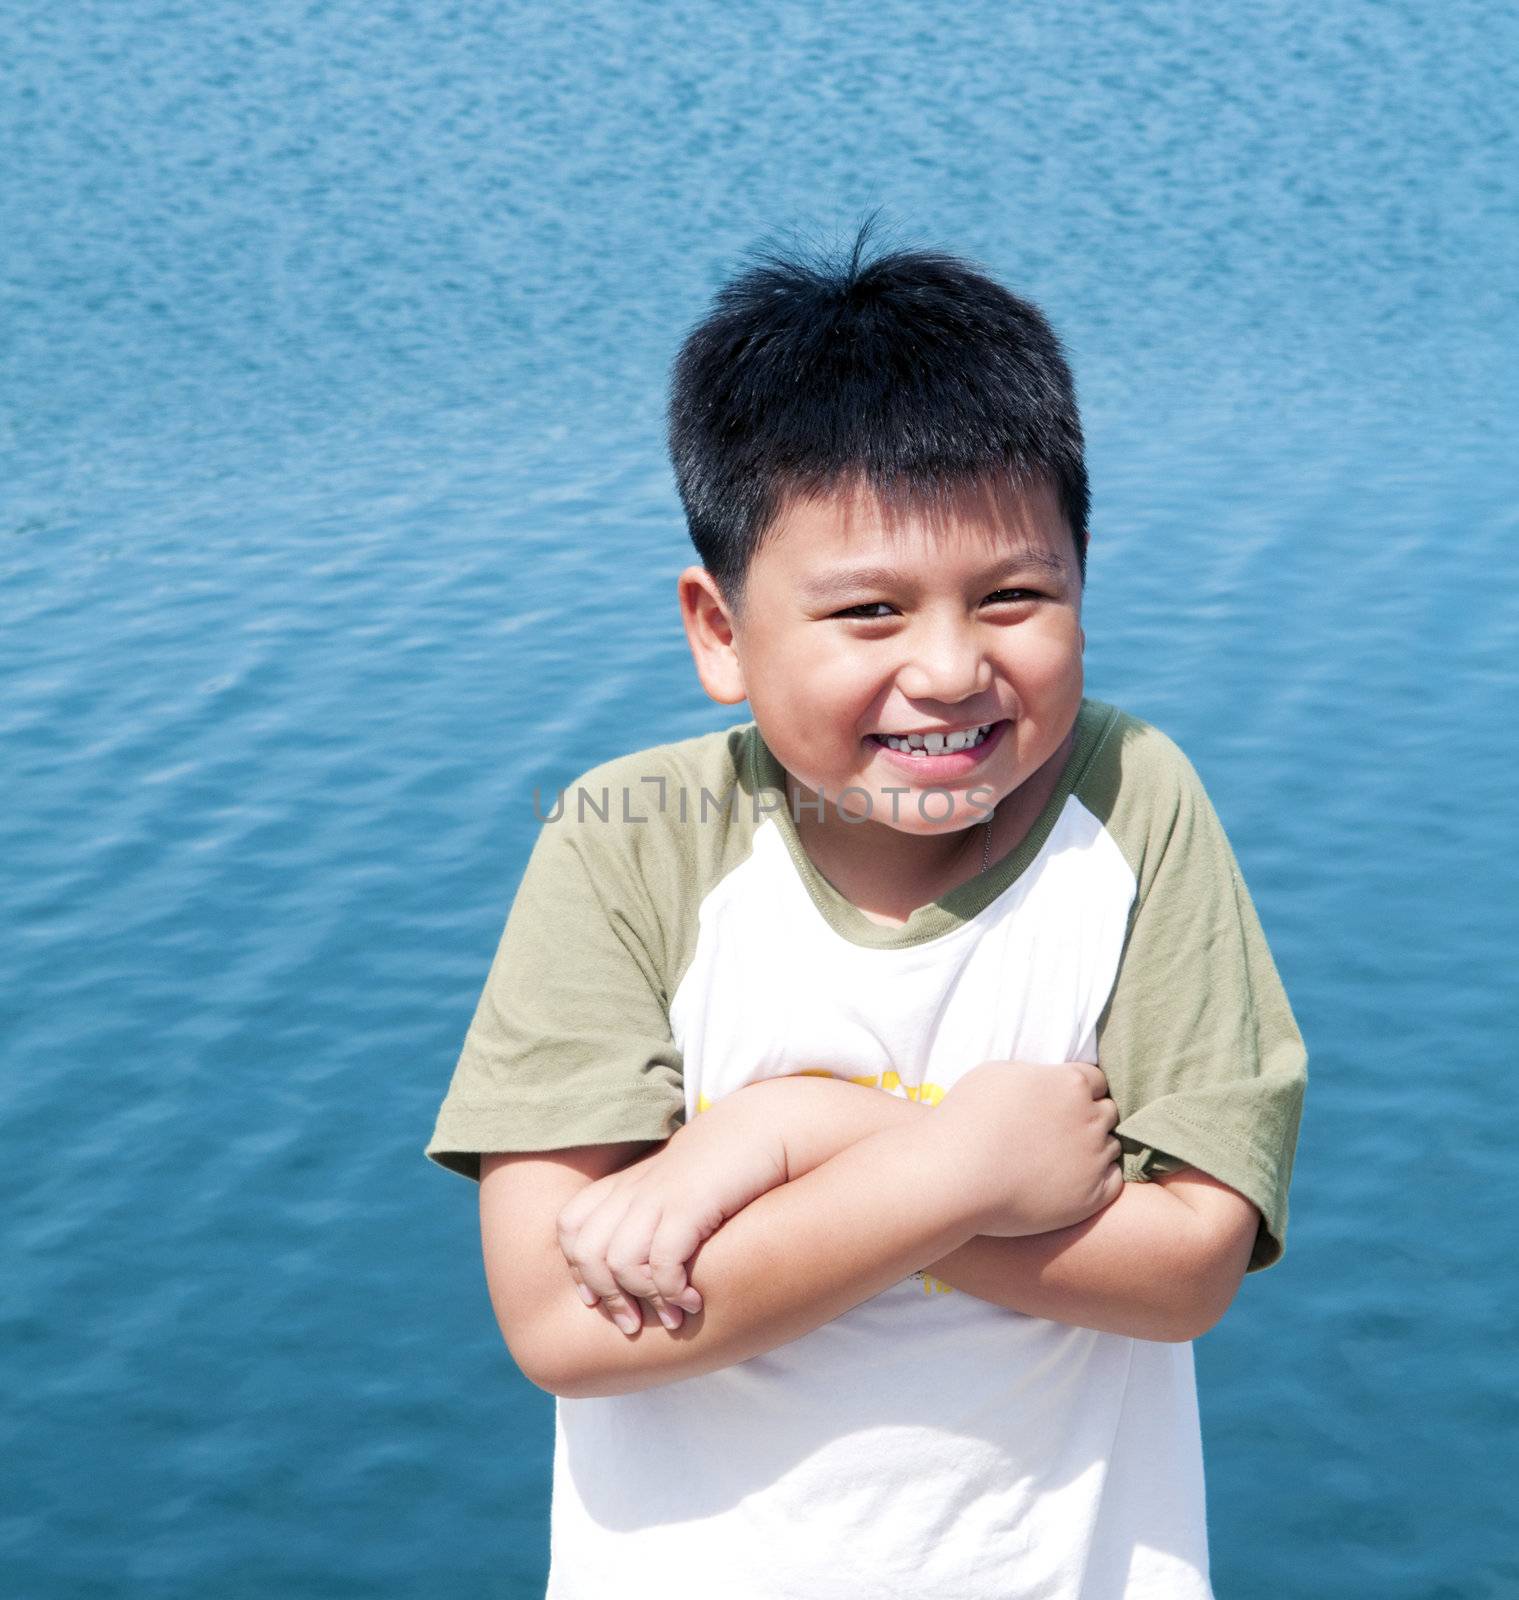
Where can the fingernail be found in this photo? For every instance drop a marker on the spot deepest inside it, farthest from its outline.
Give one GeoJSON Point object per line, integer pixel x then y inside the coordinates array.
{"type": "Point", "coordinates": [671, 1319]}
{"type": "Point", "coordinates": [628, 1322]}
{"type": "Point", "coordinates": [584, 1291]}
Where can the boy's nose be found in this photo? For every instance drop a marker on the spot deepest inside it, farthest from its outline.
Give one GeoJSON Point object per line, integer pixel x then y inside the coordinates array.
{"type": "Point", "coordinates": [948, 664]}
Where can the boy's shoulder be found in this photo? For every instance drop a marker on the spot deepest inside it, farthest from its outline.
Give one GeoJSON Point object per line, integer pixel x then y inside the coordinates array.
{"type": "Point", "coordinates": [1138, 782]}
{"type": "Point", "coordinates": [1129, 749]}
{"type": "Point", "coordinates": [721, 757]}
{"type": "Point", "coordinates": [664, 796]}
{"type": "Point", "coordinates": [662, 820]}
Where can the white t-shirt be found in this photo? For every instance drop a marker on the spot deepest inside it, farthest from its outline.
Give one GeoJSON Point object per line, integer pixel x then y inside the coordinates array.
{"type": "Point", "coordinates": [671, 942]}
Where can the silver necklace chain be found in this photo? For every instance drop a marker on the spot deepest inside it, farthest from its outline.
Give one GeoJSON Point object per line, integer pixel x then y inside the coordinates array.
{"type": "Point", "coordinates": [986, 843]}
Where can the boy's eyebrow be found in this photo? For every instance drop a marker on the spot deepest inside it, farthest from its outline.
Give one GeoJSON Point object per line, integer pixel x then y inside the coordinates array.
{"type": "Point", "coordinates": [850, 580]}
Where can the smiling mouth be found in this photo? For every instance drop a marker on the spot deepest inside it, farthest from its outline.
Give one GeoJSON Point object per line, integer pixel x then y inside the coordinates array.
{"type": "Point", "coordinates": [935, 744]}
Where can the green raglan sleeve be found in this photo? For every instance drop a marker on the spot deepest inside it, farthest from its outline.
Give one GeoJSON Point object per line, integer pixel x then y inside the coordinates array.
{"type": "Point", "coordinates": [570, 1042]}
{"type": "Point", "coordinates": [1197, 1040]}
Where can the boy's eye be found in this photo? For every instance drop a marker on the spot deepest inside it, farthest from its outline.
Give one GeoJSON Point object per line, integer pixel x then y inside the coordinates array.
{"type": "Point", "coordinates": [867, 611]}
{"type": "Point", "coordinates": [877, 610]}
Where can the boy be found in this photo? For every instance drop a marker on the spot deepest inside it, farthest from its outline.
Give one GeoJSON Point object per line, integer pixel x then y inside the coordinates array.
{"type": "Point", "coordinates": [838, 1342]}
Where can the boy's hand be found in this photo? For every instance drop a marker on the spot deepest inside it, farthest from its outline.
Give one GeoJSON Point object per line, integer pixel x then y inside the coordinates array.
{"type": "Point", "coordinates": [1033, 1145]}
{"type": "Point", "coordinates": [629, 1235]}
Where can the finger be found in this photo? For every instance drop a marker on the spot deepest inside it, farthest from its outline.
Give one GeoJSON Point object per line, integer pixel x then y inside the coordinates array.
{"type": "Point", "coordinates": [671, 1316]}
{"type": "Point", "coordinates": [626, 1313]}
{"type": "Point", "coordinates": [1110, 1114]}
{"type": "Point", "coordinates": [581, 1289]}
{"type": "Point", "coordinates": [628, 1260]}
{"type": "Point", "coordinates": [585, 1201]}
{"type": "Point", "coordinates": [572, 1219]}
{"type": "Point", "coordinates": [630, 1270]}
{"type": "Point", "coordinates": [673, 1245]}
{"type": "Point", "coordinates": [1114, 1149]}
{"type": "Point", "coordinates": [637, 1281]}
{"type": "Point", "coordinates": [627, 1246]}
{"type": "Point", "coordinates": [666, 1307]}
{"type": "Point", "coordinates": [610, 1296]}
{"type": "Point", "coordinates": [575, 1210]}
{"type": "Point", "coordinates": [1096, 1079]}
{"type": "Point", "coordinates": [586, 1252]}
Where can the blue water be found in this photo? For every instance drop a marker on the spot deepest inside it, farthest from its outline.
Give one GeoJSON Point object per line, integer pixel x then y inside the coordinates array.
{"type": "Point", "coordinates": [336, 517]}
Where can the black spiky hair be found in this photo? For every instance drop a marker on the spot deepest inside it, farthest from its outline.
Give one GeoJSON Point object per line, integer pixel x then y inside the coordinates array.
{"type": "Point", "coordinates": [912, 372]}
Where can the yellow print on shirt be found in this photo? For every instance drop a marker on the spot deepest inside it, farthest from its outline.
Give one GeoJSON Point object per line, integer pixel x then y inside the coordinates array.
{"type": "Point", "coordinates": [929, 1094]}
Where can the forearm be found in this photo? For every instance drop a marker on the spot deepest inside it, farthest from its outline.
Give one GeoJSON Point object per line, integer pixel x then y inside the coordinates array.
{"type": "Point", "coordinates": [792, 1260]}
{"type": "Point", "coordinates": [1132, 1268]}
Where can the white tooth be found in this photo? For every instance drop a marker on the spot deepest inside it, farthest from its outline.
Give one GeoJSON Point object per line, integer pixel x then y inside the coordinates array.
{"type": "Point", "coordinates": [935, 744]}
{"type": "Point", "coordinates": [915, 740]}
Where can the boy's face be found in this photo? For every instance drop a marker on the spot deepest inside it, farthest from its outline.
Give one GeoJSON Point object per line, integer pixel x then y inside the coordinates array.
{"type": "Point", "coordinates": [857, 623]}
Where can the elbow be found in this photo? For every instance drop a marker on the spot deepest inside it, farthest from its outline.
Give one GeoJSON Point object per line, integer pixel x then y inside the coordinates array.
{"type": "Point", "coordinates": [528, 1361]}
{"type": "Point", "coordinates": [1212, 1276]}
{"type": "Point", "coordinates": [1194, 1304]}
{"type": "Point", "coordinates": [586, 1385]}
{"type": "Point", "coordinates": [568, 1383]}
{"type": "Point", "coordinates": [571, 1370]}
{"type": "Point", "coordinates": [558, 1374]}
{"type": "Point", "coordinates": [1184, 1332]}
{"type": "Point", "coordinates": [550, 1380]}
{"type": "Point", "coordinates": [538, 1349]}
{"type": "Point", "coordinates": [563, 1385]}
{"type": "Point", "coordinates": [551, 1337]}
{"type": "Point", "coordinates": [555, 1378]}
{"type": "Point", "coordinates": [548, 1363]}
{"type": "Point", "coordinates": [1171, 1324]}
{"type": "Point", "coordinates": [1212, 1298]}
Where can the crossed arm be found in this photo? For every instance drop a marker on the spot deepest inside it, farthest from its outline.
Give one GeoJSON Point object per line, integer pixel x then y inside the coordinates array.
{"type": "Point", "coordinates": [871, 1199]}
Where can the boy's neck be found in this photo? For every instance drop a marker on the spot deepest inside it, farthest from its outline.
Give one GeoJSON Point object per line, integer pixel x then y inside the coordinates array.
{"type": "Point", "coordinates": [888, 874]}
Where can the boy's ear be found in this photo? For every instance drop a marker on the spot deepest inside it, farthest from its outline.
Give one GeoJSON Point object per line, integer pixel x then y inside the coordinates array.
{"type": "Point", "coordinates": [709, 632]}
